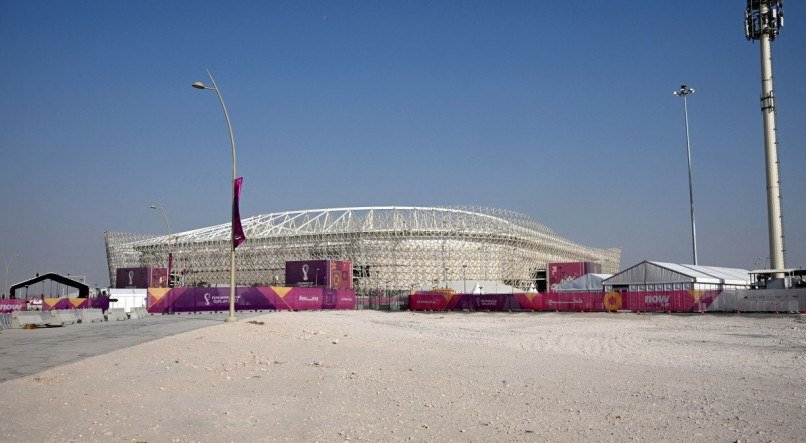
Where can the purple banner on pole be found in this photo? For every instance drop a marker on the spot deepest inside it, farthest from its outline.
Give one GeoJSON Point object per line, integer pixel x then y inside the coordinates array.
{"type": "Point", "coordinates": [238, 235]}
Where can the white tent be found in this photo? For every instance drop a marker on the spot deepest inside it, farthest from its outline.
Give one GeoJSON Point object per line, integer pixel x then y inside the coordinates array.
{"type": "Point", "coordinates": [476, 287]}
{"type": "Point", "coordinates": [587, 282]}
{"type": "Point", "coordinates": [660, 276]}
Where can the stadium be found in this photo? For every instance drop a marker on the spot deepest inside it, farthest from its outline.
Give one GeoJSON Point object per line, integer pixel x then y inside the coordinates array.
{"type": "Point", "coordinates": [395, 248]}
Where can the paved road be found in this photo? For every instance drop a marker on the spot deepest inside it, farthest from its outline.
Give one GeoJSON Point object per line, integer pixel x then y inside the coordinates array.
{"type": "Point", "coordinates": [28, 351]}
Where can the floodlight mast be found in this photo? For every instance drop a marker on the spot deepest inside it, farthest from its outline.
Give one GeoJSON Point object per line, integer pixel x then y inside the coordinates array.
{"type": "Point", "coordinates": [684, 92]}
{"type": "Point", "coordinates": [763, 22]}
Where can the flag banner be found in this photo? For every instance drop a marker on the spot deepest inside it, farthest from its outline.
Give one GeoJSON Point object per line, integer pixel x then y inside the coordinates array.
{"type": "Point", "coordinates": [170, 269]}
{"type": "Point", "coordinates": [238, 236]}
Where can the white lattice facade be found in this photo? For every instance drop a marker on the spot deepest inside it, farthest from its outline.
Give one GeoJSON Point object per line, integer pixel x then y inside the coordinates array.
{"type": "Point", "coordinates": [390, 247]}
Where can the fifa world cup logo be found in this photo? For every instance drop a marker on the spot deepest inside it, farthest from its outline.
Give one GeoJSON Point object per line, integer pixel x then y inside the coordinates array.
{"type": "Point", "coordinates": [305, 269]}
{"type": "Point", "coordinates": [131, 278]}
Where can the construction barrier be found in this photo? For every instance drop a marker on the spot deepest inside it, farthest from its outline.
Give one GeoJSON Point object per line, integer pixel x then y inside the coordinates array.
{"type": "Point", "coordinates": [19, 319]}
{"type": "Point", "coordinates": [90, 315]}
{"type": "Point", "coordinates": [116, 314]}
{"type": "Point", "coordinates": [137, 313]}
{"type": "Point", "coordinates": [63, 317]}
{"type": "Point", "coordinates": [258, 298]}
{"type": "Point", "coordinates": [59, 304]}
{"type": "Point", "coordinates": [5, 321]}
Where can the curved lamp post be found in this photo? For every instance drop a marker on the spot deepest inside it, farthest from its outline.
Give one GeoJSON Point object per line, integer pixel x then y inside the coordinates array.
{"type": "Point", "coordinates": [170, 239]}
{"type": "Point", "coordinates": [199, 85]}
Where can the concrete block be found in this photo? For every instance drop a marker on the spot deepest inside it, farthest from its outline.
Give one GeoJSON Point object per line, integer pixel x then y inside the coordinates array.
{"type": "Point", "coordinates": [21, 318]}
{"type": "Point", "coordinates": [61, 317]}
{"type": "Point", "coordinates": [90, 315]}
{"type": "Point", "coordinates": [116, 314]}
{"type": "Point", "coordinates": [141, 312]}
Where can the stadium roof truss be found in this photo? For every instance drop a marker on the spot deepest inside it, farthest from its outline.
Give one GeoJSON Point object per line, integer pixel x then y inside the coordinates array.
{"type": "Point", "coordinates": [391, 247]}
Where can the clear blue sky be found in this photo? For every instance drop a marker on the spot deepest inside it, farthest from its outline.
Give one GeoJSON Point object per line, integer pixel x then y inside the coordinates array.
{"type": "Point", "coordinates": [561, 111]}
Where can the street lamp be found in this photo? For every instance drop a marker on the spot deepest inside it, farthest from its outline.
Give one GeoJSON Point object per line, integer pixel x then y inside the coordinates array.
{"type": "Point", "coordinates": [170, 239]}
{"type": "Point", "coordinates": [199, 85]}
{"type": "Point", "coordinates": [464, 278]}
{"type": "Point", "coordinates": [5, 279]}
{"type": "Point", "coordinates": [684, 91]}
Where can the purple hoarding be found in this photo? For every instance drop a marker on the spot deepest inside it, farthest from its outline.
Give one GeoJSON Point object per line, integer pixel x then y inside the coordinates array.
{"type": "Point", "coordinates": [164, 300]}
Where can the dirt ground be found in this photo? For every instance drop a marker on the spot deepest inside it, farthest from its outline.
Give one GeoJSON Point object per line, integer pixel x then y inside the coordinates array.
{"type": "Point", "coordinates": [366, 375]}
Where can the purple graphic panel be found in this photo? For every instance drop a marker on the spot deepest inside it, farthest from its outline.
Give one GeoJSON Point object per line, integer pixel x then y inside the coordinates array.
{"type": "Point", "coordinates": [307, 273]}
{"type": "Point", "coordinates": [141, 278]}
{"type": "Point", "coordinates": [131, 278]}
{"type": "Point", "coordinates": [248, 299]}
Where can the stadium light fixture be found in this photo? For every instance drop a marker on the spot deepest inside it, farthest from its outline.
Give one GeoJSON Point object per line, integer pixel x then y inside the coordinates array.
{"type": "Point", "coordinates": [170, 238]}
{"type": "Point", "coordinates": [5, 279]}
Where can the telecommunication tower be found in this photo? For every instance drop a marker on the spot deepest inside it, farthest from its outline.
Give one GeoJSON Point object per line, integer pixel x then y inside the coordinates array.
{"type": "Point", "coordinates": [763, 22]}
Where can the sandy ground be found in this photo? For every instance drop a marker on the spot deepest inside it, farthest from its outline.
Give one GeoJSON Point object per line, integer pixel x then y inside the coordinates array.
{"type": "Point", "coordinates": [365, 375]}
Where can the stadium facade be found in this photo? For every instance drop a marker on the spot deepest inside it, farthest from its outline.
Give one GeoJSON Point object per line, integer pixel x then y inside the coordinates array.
{"type": "Point", "coordinates": [394, 248]}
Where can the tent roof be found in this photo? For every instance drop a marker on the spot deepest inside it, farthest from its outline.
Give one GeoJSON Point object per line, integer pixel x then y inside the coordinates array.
{"type": "Point", "coordinates": [83, 289]}
{"type": "Point", "coordinates": [653, 272]}
{"type": "Point", "coordinates": [585, 282]}
{"type": "Point", "coordinates": [487, 286]}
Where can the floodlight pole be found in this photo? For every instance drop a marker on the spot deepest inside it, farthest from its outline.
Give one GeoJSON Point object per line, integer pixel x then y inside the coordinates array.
{"type": "Point", "coordinates": [5, 278]}
{"type": "Point", "coordinates": [199, 85]}
{"type": "Point", "coordinates": [170, 237]}
{"type": "Point", "coordinates": [763, 22]}
{"type": "Point", "coordinates": [684, 92]}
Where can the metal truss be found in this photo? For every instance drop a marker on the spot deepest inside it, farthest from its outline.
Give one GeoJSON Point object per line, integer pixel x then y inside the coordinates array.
{"type": "Point", "coordinates": [392, 247]}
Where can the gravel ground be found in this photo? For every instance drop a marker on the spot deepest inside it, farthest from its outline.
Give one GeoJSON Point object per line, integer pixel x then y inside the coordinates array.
{"type": "Point", "coordinates": [366, 375]}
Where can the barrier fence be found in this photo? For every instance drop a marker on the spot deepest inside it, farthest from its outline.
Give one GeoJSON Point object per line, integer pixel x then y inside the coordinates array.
{"type": "Point", "coordinates": [55, 304]}
{"type": "Point", "coordinates": [788, 300]}
{"type": "Point", "coordinates": [257, 298]}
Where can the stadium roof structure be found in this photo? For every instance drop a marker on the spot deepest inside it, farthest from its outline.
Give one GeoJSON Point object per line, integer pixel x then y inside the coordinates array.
{"type": "Point", "coordinates": [391, 246]}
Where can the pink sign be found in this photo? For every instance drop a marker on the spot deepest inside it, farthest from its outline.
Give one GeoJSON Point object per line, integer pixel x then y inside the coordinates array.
{"type": "Point", "coordinates": [7, 305]}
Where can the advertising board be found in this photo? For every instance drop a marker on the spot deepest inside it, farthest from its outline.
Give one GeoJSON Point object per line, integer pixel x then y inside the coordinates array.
{"type": "Point", "coordinates": [334, 274]}
{"type": "Point", "coordinates": [141, 278]}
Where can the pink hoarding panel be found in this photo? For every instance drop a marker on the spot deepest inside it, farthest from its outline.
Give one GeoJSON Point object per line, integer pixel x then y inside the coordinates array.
{"type": "Point", "coordinates": [560, 272]}
{"type": "Point", "coordinates": [7, 305]}
{"type": "Point", "coordinates": [659, 301]}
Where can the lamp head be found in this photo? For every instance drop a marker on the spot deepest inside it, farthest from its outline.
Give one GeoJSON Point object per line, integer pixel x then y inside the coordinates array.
{"type": "Point", "coordinates": [199, 85]}
{"type": "Point", "coordinates": [154, 207]}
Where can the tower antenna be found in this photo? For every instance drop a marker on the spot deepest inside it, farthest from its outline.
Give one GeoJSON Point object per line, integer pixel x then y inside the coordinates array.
{"type": "Point", "coordinates": [763, 22]}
